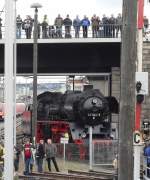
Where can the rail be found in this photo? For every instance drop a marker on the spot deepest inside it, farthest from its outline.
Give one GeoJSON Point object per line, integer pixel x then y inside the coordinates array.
{"type": "Point", "coordinates": [103, 31]}
{"type": "Point", "coordinates": [61, 176]}
{"type": "Point", "coordinates": [51, 32]}
{"type": "Point", "coordinates": [102, 174]}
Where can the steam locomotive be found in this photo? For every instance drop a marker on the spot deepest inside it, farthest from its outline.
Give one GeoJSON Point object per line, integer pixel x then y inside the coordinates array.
{"type": "Point", "coordinates": [73, 112]}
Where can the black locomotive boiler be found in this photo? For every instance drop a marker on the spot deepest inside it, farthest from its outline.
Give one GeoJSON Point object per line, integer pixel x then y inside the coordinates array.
{"type": "Point", "coordinates": [78, 109]}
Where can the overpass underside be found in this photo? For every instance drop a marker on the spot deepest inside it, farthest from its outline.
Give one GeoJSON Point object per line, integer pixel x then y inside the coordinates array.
{"type": "Point", "coordinates": [64, 58]}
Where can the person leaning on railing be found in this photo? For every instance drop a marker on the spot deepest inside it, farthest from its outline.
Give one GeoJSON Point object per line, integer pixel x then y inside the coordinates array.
{"type": "Point", "coordinates": [45, 27]}
{"type": "Point", "coordinates": [76, 25]}
{"type": "Point", "coordinates": [58, 23]}
{"type": "Point", "coordinates": [105, 22]}
{"type": "Point", "coordinates": [18, 26]}
{"type": "Point", "coordinates": [67, 23]}
{"type": "Point", "coordinates": [27, 26]}
{"type": "Point", "coordinates": [112, 21]}
{"type": "Point", "coordinates": [118, 24]}
{"type": "Point", "coordinates": [95, 25]}
{"type": "Point", "coordinates": [85, 24]}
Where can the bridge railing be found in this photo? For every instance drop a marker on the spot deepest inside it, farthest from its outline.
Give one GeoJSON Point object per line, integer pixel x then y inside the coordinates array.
{"type": "Point", "coordinates": [103, 31]}
{"type": "Point", "coordinates": [51, 32]}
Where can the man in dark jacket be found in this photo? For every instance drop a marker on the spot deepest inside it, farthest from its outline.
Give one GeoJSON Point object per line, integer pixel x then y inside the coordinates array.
{"type": "Point", "coordinates": [95, 25]}
{"type": "Point", "coordinates": [45, 27]}
{"type": "Point", "coordinates": [58, 23]}
{"type": "Point", "coordinates": [18, 26]}
{"type": "Point", "coordinates": [28, 24]}
{"type": "Point", "coordinates": [16, 158]}
{"type": "Point", "coordinates": [112, 22]}
{"type": "Point", "coordinates": [40, 153]}
{"type": "Point", "coordinates": [50, 150]}
{"type": "Point", "coordinates": [105, 23]}
{"type": "Point", "coordinates": [67, 23]}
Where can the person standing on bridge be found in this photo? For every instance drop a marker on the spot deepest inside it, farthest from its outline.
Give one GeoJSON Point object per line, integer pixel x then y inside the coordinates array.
{"type": "Point", "coordinates": [76, 25]}
{"type": "Point", "coordinates": [58, 23]}
{"type": "Point", "coordinates": [85, 24]}
{"type": "Point", "coordinates": [67, 23]}
{"type": "Point", "coordinates": [18, 26]}
{"type": "Point", "coordinates": [45, 27]}
{"type": "Point", "coordinates": [51, 150]}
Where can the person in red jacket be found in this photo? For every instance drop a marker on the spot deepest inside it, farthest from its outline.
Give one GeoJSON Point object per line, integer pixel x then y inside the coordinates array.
{"type": "Point", "coordinates": [27, 156]}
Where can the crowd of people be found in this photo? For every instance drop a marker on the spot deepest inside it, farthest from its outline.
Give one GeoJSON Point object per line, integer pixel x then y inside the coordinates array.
{"type": "Point", "coordinates": [32, 154]}
{"type": "Point", "coordinates": [100, 27]}
{"type": "Point", "coordinates": [104, 27]}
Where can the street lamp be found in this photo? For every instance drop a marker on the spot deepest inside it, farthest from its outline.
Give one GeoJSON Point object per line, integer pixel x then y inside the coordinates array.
{"type": "Point", "coordinates": [35, 60]}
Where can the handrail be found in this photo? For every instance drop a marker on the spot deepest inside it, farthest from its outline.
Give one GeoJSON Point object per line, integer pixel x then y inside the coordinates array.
{"type": "Point", "coordinates": [103, 31]}
{"type": "Point", "coordinates": [52, 32]}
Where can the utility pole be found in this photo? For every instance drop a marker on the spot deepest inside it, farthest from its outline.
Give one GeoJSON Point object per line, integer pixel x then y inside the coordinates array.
{"type": "Point", "coordinates": [35, 68]}
{"type": "Point", "coordinates": [127, 95]}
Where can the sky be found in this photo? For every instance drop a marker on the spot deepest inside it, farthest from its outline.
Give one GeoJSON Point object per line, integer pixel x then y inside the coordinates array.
{"type": "Point", "coordinates": [72, 7]}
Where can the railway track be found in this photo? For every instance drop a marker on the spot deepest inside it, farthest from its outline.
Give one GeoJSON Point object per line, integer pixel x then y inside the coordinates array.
{"type": "Point", "coordinates": [61, 176]}
{"type": "Point", "coordinates": [102, 174]}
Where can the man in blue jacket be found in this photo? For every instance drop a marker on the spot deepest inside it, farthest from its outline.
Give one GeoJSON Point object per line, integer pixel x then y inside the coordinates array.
{"type": "Point", "coordinates": [85, 23]}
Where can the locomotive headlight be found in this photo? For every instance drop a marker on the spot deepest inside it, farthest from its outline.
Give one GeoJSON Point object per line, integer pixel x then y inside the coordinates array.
{"type": "Point", "coordinates": [94, 101]}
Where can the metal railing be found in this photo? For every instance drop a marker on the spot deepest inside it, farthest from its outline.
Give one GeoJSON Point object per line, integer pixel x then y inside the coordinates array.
{"type": "Point", "coordinates": [103, 31]}
{"type": "Point", "coordinates": [104, 152]}
{"type": "Point", "coordinates": [51, 32]}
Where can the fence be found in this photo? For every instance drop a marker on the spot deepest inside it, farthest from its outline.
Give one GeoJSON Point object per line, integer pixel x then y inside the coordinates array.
{"type": "Point", "coordinates": [102, 31]}
{"type": "Point", "coordinates": [104, 152]}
